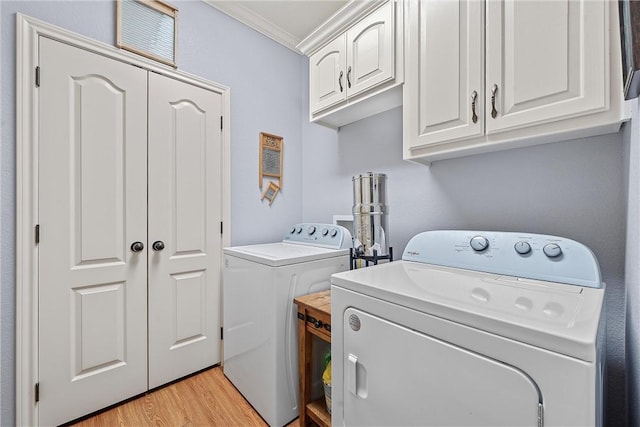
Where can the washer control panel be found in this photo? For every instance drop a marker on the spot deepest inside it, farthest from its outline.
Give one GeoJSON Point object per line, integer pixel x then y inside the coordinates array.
{"type": "Point", "coordinates": [318, 234]}
{"type": "Point", "coordinates": [523, 255]}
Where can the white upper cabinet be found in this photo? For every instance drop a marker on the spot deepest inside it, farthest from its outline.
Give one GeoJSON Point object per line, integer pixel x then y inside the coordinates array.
{"type": "Point", "coordinates": [552, 73]}
{"type": "Point", "coordinates": [326, 75]}
{"type": "Point", "coordinates": [349, 72]}
{"type": "Point", "coordinates": [547, 60]}
{"type": "Point", "coordinates": [445, 68]}
{"type": "Point", "coordinates": [370, 51]}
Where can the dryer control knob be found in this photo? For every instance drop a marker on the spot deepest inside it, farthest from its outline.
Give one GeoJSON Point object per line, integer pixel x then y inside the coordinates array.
{"type": "Point", "coordinates": [311, 230]}
{"type": "Point", "coordinates": [552, 250]}
{"type": "Point", "coordinates": [522, 247]}
{"type": "Point", "coordinates": [334, 232]}
{"type": "Point", "coordinates": [325, 231]}
{"type": "Point", "coordinates": [293, 230]}
{"type": "Point", "coordinates": [479, 243]}
{"type": "Point", "coordinates": [298, 230]}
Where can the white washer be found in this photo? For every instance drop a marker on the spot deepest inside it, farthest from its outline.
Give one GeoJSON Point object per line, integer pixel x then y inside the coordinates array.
{"type": "Point", "coordinates": [471, 328]}
{"type": "Point", "coordinates": [260, 323]}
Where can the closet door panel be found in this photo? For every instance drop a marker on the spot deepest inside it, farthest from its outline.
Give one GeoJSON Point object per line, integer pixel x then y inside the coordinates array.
{"type": "Point", "coordinates": [184, 214]}
{"type": "Point", "coordinates": [188, 167]}
{"type": "Point", "coordinates": [92, 197]}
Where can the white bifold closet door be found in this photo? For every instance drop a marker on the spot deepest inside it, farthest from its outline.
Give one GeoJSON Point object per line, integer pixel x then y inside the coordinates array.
{"type": "Point", "coordinates": [185, 214]}
{"type": "Point", "coordinates": [92, 207]}
{"type": "Point", "coordinates": [125, 156]}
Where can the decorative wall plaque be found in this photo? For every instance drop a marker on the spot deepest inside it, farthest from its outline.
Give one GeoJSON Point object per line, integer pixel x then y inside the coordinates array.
{"type": "Point", "coordinates": [270, 192]}
{"type": "Point", "coordinates": [270, 157]}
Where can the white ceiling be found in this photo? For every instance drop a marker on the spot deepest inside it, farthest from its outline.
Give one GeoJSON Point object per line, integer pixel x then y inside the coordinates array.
{"type": "Point", "coordinates": [286, 21]}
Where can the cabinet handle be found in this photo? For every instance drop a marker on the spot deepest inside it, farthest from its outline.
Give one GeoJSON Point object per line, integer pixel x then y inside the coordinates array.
{"type": "Point", "coordinates": [340, 81]}
{"type": "Point", "coordinates": [349, 77]}
{"type": "Point", "coordinates": [494, 90]}
{"type": "Point", "coordinates": [474, 97]}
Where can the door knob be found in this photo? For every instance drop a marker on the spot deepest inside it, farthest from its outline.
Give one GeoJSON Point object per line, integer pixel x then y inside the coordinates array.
{"type": "Point", "coordinates": [158, 245]}
{"type": "Point", "coordinates": [137, 246]}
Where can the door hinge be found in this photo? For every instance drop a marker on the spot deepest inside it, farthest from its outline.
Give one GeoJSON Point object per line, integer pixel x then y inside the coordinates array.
{"type": "Point", "coordinates": [221, 333]}
{"type": "Point", "coordinates": [37, 392]}
{"type": "Point", "coordinates": [221, 122]}
{"type": "Point", "coordinates": [38, 76]}
{"type": "Point", "coordinates": [540, 415]}
{"type": "Point", "coordinates": [221, 227]}
{"type": "Point", "coordinates": [37, 233]}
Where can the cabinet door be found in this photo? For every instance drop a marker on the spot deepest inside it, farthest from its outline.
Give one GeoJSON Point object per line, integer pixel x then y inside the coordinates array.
{"type": "Point", "coordinates": [444, 70]}
{"type": "Point", "coordinates": [327, 80]}
{"type": "Point", "coordinates": [371, 50]}
{"type": "Point", "coordinates": [548, 60]}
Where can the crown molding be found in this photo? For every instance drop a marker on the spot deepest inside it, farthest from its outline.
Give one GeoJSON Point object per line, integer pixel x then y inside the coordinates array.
{"type": "Point", "coordinates": [337, 24]}
{"type": "Point", "coordinates": [237, 11]}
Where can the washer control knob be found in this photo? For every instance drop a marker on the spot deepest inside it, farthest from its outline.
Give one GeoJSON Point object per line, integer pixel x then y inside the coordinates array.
{"type": "Point", "coordinates": [552, 250]}
{"type": "Point", "coordinates": [325, 231]}
{"type": "Point", "coordinates": [311, 230]}
{"type": "Point", "coordinates": [293, 230]}
{"type": "Point", "coordinates": [298, 230]}
{"type": "Point", "coordinates": [479, 243]}
{"type": "Point", "coordinates": [334, 232]}
{"type": "Point", "coordinates": [522, 247]}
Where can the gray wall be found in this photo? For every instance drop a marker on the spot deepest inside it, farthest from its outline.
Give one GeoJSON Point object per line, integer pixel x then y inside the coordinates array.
{"type": "Point", "coordinates": [632, 272]}
{"type": "Point", "coordinates": [265, 80]}
{"type": "Point", "coordinates": [572, 189]}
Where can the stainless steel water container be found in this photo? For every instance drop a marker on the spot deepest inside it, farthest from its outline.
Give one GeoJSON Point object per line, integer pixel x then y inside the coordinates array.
{"type": "Point", "coordinates": [370, 224]}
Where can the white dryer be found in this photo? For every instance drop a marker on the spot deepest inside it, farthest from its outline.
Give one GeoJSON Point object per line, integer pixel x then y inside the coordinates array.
{"type": "Point", "coordinates": [471, 328]}
{"type": "Point", "coordinates": [260, 334]}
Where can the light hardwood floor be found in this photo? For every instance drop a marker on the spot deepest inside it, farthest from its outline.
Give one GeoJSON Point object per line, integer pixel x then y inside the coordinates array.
{"type": "Point", "coordinates": [205, 399]}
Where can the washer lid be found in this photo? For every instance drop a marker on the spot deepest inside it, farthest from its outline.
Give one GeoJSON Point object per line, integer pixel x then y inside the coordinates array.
{"type": "Point", "coordinates": [280, 253]}
{"type": "Point", "coordinates": [555, 316]}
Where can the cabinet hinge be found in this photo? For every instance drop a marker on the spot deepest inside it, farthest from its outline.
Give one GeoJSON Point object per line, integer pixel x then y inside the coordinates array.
{"type": "Point", "coordinates": [37, 392]}
{"type": "Point", "coordinates": [540, 415]}
{"type": "Point", "coordinates": [221, 122]}
{"type": "Point", "coordinates": [37, 233]}
{"type": "Point", "coordinates": [221, 333]}
{"type": "Point", "coordinates": [38, 76]}
{"type": "Point", "coordinates": [221, 227]}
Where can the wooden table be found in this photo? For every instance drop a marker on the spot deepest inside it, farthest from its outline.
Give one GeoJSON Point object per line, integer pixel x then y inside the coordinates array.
{"type": "Point", "coordinates": [314, 318]}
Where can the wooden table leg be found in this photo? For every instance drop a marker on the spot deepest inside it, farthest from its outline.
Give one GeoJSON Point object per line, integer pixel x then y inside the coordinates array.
{"type": "Point", "coordinates": [304, 365]}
